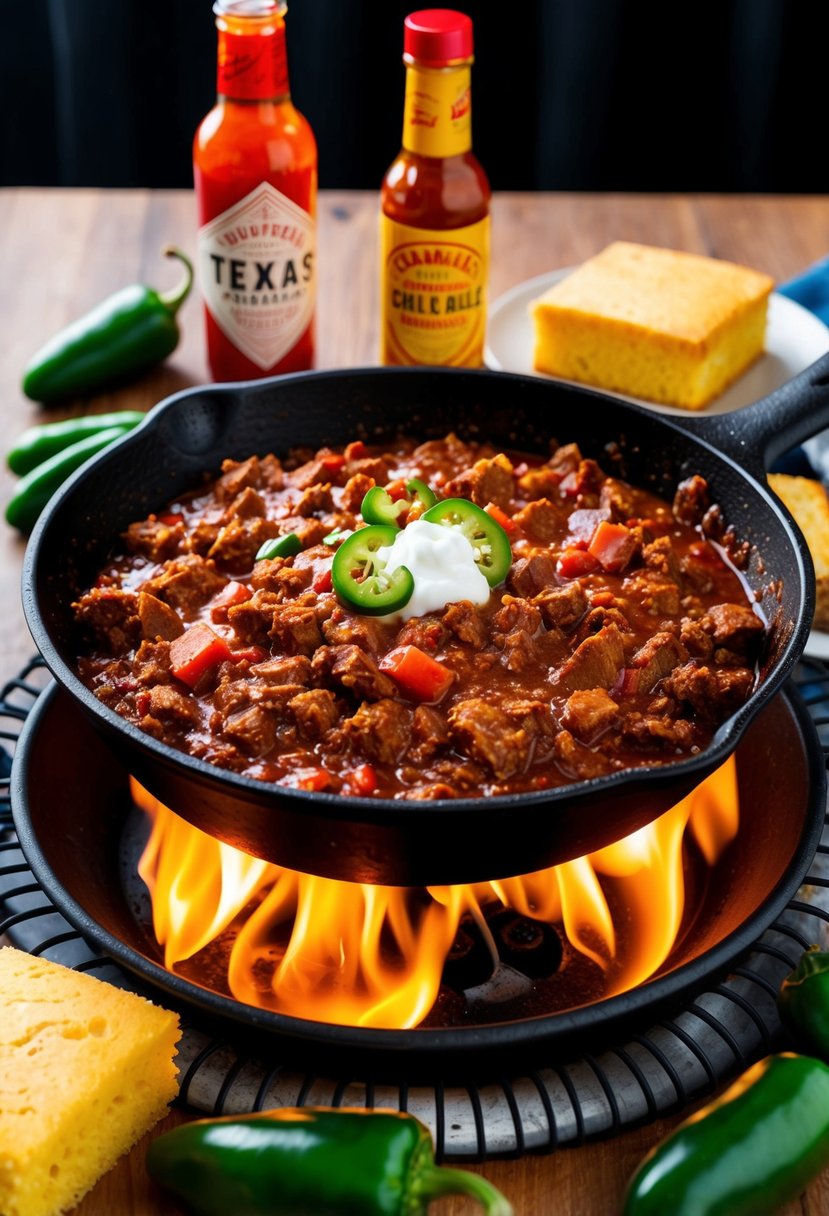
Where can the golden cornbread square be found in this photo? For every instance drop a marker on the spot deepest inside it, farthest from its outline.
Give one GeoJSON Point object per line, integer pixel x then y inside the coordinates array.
{"type": "Point", "coordinates": [85, 1070]}
{"type": "Point", "coordinates": [675, 328]}
{"type": "Point", "coordinates": [808, 503]}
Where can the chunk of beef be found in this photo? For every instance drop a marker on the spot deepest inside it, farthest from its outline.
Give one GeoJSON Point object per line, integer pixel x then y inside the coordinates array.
{"type": "Point", "coordinates": [382, 731]}
{"type": "Point", "coordinates": [735, 627]}
{"type": "Point", "coordinates": [240, 540]}
{"type": "Point", "coordinates": [648, 729]}
{"type": "Point", "coordinates": [430, 793]}
{"type": "Point", "coordinates": [315, 499]}
{"type": "Point", "coordinates": [354, 491]}
{"type": "Point", "coordinates": [575, 760]}
{"type": "Point", "coordinates": [426, 632]}
{"type": "Point", "coordinates": [169, 704]}
{"type": "Point", "coordinates": [566, 459]}
{"type": "Point", "coordinates": [344, 628]}
{"type": "Point", "coordinates": [542, 520]}
{"type": "Point", "coordinates": [529, 575]}
{"type": "Point", "coordinates": [236, 476]}
{"type": "Point", "coordinates": [618, 499]}
{"type": "Point", "coordinates": [155, 539]}
{"type": "Point", "coordinates": [488, 481]}
{"type": "Point", "coordinates": [659, 555]}
{"type": "Point", "coordinates": [516, 613]}
{"type": "Point", "coordinates": [467, 624]}
{"type": "Point", "coordinates": [539, 482]}
{"type": "Point", "coordinates": [110, 616]}
{"type": "Point", "coordinates": [294, 669]}
{"type": "Point", "coordinates": [231, 695]}
{"type": "Point", "coordinates": [308, 474]}
{"type": "Point", "coordinates": [595, 663]}
{"type": "Point", "coordinates": [589, 712]}
{"type": "Point", "coordinates": [519, 651]}
{"type": "Point", "coordinates": [374, 467]}
{"type": "Point", "coordinates": [295, 628]}
{"type": "Point", "coordinates": [252, 729]}
{"type": "Point", "coordinates": [652, 592]}
{"type": "Point", "coordinates": [186, 584]}
{"type": "Point", "coordinates": [691, 500]}
{"type": "Point", "coordinates": [158, 620]}
{"type": "Point", "coordinates": [353, 669]}
{"type": "Point", "coordinates": [562, 607]}
{"type": "Point", "coordinates": [315, 712]}
{"type": "Point", "coordinates": [659, 656]}
{"type": "Point", "coordinates": [246, 505]}
{"type": "Point", "coordinates": [152, 664]}
{"type": "Point", "coordinates": [429, 734]}
{"type": "Point", "coordinates": [693, 636]}
{"type": "Point", "coordinates": [270, 472]}
{"type": "Point", "coordinates": [712, 692]}
{"type": "Point", "coordinates": [290, 580]}
{"type": "Point", "coordinates": [202, 537]}
{"type": "Point", "coordinates": [598, 618]}
{"type": "Point", "coordinates": [252, 620]}
{"type": "Point", "coordinates": [487, 734]}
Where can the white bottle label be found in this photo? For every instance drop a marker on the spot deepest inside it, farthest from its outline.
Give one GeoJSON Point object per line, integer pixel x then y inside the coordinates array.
{"type": "Point", "coordinates": [257, 273]}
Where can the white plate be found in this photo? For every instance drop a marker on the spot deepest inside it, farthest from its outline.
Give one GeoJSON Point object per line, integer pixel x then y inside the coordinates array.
{"type": "Point", "coordinates": [795, 337]}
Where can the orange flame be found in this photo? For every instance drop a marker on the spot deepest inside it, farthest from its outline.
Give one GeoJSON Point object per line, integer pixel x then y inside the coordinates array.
{"type": "Point", "coordinates": [361, 955]}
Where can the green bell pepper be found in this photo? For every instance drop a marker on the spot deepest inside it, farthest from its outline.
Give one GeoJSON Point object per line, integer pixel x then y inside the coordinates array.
{"type": "Point", "coordinates": [311, 1161]}
{"type": "Point", "coordinates": [126, 334]}
{"type": "Point", "coordinates": [803, 1002]}
{"type": "Point", "coordinates": [747, 1152]}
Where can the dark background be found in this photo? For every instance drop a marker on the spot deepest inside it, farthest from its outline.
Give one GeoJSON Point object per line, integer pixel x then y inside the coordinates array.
{"type": "Point", "coordinates": [720, 95]}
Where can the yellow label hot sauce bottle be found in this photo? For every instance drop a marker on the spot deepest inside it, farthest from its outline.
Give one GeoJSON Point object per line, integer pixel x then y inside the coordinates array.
{"type": "Point", "coordinates": [434, 226]}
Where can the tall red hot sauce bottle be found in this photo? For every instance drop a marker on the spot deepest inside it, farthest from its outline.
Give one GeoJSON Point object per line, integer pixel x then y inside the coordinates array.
{"type": "Point", "coordinates": [434, 224]}
{"type": "Point", "coordinates": [255, 171]}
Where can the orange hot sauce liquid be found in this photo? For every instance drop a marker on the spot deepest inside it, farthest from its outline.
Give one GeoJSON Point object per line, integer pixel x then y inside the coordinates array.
{"type": "Point", "coordinates": [241, 143]}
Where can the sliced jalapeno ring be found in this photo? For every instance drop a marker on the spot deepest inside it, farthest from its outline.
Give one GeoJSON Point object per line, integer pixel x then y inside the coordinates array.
{"type": "Point", "coordinates": [359, 576]}
{"type": "Point", "coordinates": [378, 507]}
{"type": "Point", "coordinates": [280, 546]}
{"type": "Point", "coordinates": [423, 493]}
{"type": "Point", "coordinates": [493, 555]}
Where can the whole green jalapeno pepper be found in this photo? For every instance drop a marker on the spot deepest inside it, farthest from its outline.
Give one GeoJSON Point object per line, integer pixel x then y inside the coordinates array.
{"type": "Point", "coordinates": [803, 1002]}
{"type": "Point", "coordinates": [35, 489]}
{"type": "Point", "coordinates": [747, 1152]}
{"type": "Point", "coordinates": [38, 443]}
{"type": "Point", "coordinates": [311, 1161]}
{"type": "Point", "coordinates": [126, 334]}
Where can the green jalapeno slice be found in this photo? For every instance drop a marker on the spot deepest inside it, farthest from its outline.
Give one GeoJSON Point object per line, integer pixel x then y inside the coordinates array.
{"type": "Point", "coordinates": [280, 546]}
{"type": "Point", "coordinates": [378, 506]}
{"type": "Point", "coordinates": [493, 555]}
{"type": "Point", "coordinates": [359, 576]}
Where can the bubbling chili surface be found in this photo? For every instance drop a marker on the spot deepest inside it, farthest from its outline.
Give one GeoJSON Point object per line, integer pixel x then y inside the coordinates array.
{"type": "Point", "coordinates": [620, 637]}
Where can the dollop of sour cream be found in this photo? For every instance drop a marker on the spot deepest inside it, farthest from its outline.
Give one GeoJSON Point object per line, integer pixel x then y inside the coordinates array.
{"type": "Point", "coordinates": [442, 563]}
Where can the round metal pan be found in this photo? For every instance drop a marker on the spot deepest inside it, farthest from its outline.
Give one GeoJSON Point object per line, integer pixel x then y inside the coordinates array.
{"type": "Point", "coordinates": [466, 839]}
{"type": "Point", "coordinates": [72, 833]}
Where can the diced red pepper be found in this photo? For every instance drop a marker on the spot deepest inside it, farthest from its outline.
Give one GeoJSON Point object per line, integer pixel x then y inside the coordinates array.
{"type": "Point", "coordinates": [322, 581]}
{"type": "Point", "coordinates": [333, 463]}
{"type": "Point", "coordinates": [314, 779]}
{"type": "Point", "coordinates": [195, 651]}
{"type": "Point", "coordinates": [506, 521]}
{"type": "Point", "coordinates": [363, 779]}
{"type": "Point", "coordinates": [627, 682]}
{"type": "Point", "coordinates": [613, 545]}
{"type": "Point", "coordinates": [397, 489]}
{"type": "Point", "coordinates": [419, 676]}
{"type": "Point", "coordinates": [233, 593]}
{"type": "Point", "coordinates": [171, 518]}
{"type": "Point", "coordinates": [573, 563]}
{"type": "Point", "coordinates": [253, 654]}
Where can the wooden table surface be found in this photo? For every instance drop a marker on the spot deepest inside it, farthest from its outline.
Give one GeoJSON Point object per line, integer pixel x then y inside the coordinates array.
{"type": "Point", "coordinates": [63, 251]}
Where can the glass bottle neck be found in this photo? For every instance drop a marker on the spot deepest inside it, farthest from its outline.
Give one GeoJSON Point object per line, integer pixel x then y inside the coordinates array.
{"type": "Point", "coordinates": [437, 114]}
{"type": "Point", "coordinates": [252, 63]}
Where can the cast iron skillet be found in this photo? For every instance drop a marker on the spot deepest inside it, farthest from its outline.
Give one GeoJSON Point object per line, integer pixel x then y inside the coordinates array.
{"type": "Point", "coordinates": [469, 839]}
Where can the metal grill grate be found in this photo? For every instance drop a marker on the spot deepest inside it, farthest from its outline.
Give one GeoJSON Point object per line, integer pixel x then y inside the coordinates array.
{"type": "Point", "coordinates": [658, 1070]}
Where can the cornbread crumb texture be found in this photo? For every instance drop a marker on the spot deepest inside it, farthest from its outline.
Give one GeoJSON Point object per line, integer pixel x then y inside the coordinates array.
{"type": "Point", "coordinates": [808, 503]}
{"type": "Point", "coordinates": [655, 323]}
{"type": "Point", "coordinates": [85, 1070]}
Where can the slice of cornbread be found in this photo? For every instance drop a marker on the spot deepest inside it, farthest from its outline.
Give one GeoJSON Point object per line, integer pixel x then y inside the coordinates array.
{"type": "Point", "coordinates": [85, 1070]}
{"type": "Point", "coordinates": [808, 503]}
{"type": "Point", "coordinates": [670, 327]}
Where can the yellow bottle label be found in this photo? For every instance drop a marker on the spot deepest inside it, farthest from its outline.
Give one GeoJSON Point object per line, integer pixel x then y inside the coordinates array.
{"type": "Point", "coordinates": [433, 294]}
{"type": "Point", "coordinates": [437, 114]}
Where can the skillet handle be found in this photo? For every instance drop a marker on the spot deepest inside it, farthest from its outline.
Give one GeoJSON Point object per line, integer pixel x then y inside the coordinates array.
{"type": "Point", "coordinates": [756, 435]}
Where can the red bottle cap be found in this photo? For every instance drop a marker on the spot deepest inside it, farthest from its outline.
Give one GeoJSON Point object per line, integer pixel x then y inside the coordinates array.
{"type": "Point", "coordinates": [437, 36]}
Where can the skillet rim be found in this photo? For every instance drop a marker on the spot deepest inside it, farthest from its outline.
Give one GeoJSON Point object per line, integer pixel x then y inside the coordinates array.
{"type": "Point", "coordinates": [375, 810]}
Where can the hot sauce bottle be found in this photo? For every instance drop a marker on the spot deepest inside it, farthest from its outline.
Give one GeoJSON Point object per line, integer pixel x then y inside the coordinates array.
{"type": "Point", "coordinates": [255, 171]}
{"type": "Point", "coordinates": [434, 225]}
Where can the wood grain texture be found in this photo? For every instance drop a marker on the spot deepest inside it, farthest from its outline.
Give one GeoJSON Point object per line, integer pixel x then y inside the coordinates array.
{"type": "Point", "coordinates": [63, 251]}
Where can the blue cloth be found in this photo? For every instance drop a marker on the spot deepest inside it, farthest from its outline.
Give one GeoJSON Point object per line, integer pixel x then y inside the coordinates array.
{"type": "Point", "coordinates": [811, 290]}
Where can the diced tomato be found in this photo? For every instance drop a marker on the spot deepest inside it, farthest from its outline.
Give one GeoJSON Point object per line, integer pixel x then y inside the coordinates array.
{"type": "Point", "coordinates": [419, 676]}
{"type": "Point", "coordinates": [397, 489]}
{"type": "Point", "coordinates": [573, 563]}
{"type": "Point", "coordinates": [333, 464]}
{"type": "Point", "coordinates": [363, 779]}
{"type": "Point", "coordinates": [195, 651]}
{"type": "Point", "coordinates": [322, 581]}
{"type": "Point", "coordinates": [356, 450]}
{"type": "Point", "coordinates": [171, 518]}
{"type": "Point", "coordinates": [507, 522]}
{"type": "Point", "coordinates": [627, 682]}
{"type": "Point", "coordinates": [612, 545]}
{"type": "Point", "coordinates": [253, 654]}
{"type": "Point", "coordinates": [314, 779]}
{"type": "Point", "coordinates": [233, 593]}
